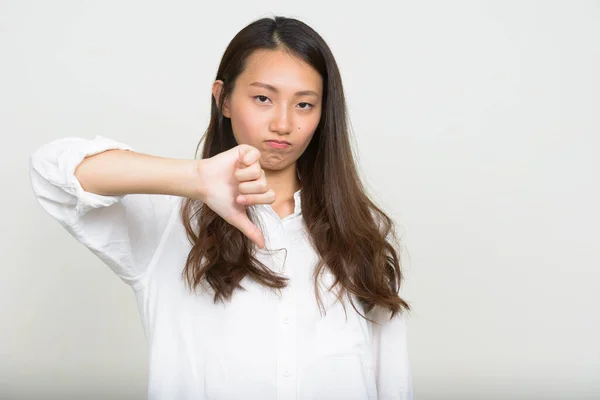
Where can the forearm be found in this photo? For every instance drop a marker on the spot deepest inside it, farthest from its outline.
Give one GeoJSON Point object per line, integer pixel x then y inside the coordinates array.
{"type": "Point", "coordinates": [120, 172]}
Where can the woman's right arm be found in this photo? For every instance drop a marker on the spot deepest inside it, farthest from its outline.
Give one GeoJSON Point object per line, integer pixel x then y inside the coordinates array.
{"type": "Point", "coordinates": [116, 202]}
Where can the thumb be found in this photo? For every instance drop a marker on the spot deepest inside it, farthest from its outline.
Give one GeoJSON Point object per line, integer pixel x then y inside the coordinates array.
{"type": "Point", "coordinates": [243, 223]}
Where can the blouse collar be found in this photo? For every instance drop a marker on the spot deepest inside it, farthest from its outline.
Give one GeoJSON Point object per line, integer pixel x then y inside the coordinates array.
{"type": "Point", "coordinates": [266, 208]}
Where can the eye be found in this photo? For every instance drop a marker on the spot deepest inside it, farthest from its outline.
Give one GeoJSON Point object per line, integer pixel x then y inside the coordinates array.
{"type": "Point", "coordinates": [261, 99]}
{"type": "Point", "coordinates": [308, 106]}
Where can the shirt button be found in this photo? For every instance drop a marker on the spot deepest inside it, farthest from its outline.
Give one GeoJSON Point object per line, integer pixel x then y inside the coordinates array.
{"type": "Point", "coordinates": [286, 373]}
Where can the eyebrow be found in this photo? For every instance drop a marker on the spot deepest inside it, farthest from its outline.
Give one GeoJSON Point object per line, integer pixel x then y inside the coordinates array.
{"type": "Point", "coordinates": [274, 89]}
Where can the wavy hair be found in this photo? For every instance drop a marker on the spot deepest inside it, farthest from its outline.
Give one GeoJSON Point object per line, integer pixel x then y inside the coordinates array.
{"type": "Point", "coordinates": [353, 237]}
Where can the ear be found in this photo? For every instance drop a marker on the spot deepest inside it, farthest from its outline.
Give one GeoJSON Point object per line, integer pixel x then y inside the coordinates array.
{"type": "Point", "coordinates": [217, 87]}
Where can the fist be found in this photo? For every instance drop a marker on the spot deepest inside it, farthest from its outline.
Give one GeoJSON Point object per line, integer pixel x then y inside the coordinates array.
{"type": "Point", "coordinates": [235, 180]}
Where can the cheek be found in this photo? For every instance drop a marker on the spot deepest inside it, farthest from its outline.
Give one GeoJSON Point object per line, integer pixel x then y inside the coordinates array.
{"type": "Point", "coordinates": [305, 131]}
{"type": "Point", "coordinates": [308, 127]}
{"type": "Point", "coordinates": [311, 124]}
{"type": "Point", "coordinates": [246, 125]}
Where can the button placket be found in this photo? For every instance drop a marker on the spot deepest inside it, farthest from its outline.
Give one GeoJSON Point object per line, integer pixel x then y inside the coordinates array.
{"type": "Point", "coordinates": [286, 332]}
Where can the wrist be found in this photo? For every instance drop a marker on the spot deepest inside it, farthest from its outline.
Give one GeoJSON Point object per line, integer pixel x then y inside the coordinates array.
{"type": "Point", "coordinates": [197, 184]}
{"type": "Point", "coordinates": [181, 178]}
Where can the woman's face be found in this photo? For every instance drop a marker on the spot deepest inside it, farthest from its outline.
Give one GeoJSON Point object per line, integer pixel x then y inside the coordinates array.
{"type": "Point", "coordinates": [276, 97]}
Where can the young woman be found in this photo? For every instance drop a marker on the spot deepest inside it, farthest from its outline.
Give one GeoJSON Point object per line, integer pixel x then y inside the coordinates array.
{"type": "Point", "coordinates": [262, 270]}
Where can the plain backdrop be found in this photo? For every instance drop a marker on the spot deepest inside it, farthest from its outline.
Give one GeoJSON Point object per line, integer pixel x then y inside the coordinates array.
{"type": "Point", "coordinates": [477, 127]}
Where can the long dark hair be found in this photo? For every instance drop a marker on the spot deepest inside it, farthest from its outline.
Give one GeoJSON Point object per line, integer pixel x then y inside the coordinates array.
{"type": "Point", "coordinates": [353, 237]}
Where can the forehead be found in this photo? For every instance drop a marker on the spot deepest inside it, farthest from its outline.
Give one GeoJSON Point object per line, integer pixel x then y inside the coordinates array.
{"type": "Point", "coordinates": [281, 69]}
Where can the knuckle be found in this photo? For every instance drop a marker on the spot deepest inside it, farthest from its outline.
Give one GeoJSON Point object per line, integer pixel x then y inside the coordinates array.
{"type": "Point", "coordinates": [242, 177]}
{"type": "Point", "coordinates": [256, 172]}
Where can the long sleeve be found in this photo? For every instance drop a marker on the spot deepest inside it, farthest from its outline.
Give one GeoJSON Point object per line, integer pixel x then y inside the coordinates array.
{"type": "Point", "coordinates": [123, 231]}
{"type": "Point", "coordinates": [391, 359]}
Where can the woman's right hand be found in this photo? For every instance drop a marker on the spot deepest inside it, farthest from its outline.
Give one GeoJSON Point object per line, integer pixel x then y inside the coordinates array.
{"type": "Point", "coordinates": [234, 180]}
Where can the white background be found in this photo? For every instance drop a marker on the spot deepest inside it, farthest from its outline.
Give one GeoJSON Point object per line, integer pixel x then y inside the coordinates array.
{"type": "Point", "coordinates": [477, 126]}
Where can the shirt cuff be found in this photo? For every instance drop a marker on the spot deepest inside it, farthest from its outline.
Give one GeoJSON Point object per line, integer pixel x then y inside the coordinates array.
{"type": "Point", "coordinates": [68, 162]}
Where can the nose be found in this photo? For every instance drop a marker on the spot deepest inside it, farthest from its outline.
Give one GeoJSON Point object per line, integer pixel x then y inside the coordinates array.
{"type": "Point", "coordinates": [282, 120]}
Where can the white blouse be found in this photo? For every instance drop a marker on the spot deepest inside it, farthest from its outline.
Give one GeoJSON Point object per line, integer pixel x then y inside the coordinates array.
{"type": "Point", "coordinates": [261, 345]}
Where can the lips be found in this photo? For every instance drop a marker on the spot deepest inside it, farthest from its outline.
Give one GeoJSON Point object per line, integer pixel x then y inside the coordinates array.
{"type": "Point", "coordinates": [279, 141]}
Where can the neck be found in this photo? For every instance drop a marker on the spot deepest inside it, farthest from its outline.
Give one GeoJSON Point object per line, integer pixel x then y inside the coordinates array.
{"type": "Point", "coordinates": [284, 183]}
